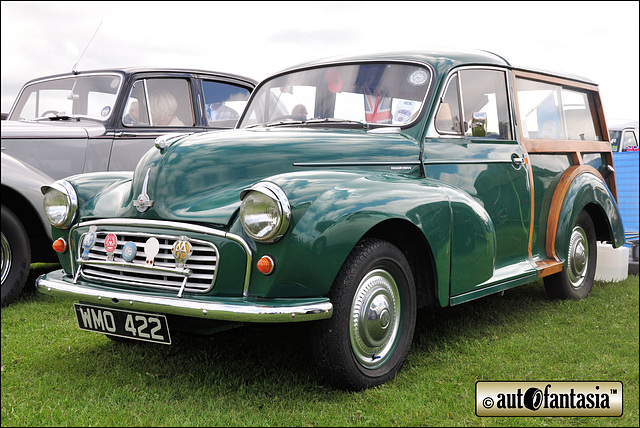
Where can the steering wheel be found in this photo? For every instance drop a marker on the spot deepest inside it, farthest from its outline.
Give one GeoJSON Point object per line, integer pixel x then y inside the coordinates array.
{"type": "Point", "coordinates": [49, 112]}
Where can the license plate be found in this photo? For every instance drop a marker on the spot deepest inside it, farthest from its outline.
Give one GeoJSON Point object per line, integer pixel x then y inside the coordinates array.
{"type": "Point", "coordinates": [128, 324]}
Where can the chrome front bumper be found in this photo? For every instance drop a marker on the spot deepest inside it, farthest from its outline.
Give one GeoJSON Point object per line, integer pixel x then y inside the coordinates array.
{"type": "Point", "coordinates": [242, 309]}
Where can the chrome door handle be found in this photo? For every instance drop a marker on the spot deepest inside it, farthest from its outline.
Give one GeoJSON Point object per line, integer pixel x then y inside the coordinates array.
{"type": "Point", "coordinates": [517, 161]}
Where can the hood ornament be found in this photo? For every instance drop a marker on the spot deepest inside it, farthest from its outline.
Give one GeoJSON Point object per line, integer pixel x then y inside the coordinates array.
{"type": "Point", "coordinates": [143, 202]}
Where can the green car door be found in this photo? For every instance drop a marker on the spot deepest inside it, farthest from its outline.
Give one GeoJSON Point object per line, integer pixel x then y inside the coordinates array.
{"type": "Point", "coordinates": [471, 145]}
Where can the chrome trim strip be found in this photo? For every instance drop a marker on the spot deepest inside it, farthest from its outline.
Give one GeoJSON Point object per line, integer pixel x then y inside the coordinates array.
{"type": "Point", "coordinates": [240, 309]}
{"type": "Point", "coordinates": [467, 162]}
{"type": "Point", "coordinates": [327, 164]}
{"type": "Point", "coordinates": [176, 226]}
{"type": "Point", "coordinates": [177, 271]}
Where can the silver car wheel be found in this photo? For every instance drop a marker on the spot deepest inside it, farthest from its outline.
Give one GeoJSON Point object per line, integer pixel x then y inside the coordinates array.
{"type": "Point", "coordinates": [6, 257]}
{"type": "Point", "coordinates": [578, 258]}
{"type": "Point", "coordinates": [375, 319]}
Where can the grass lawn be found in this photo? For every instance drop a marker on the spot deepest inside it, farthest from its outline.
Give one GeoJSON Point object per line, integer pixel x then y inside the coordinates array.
{"type": "Point", "coordinates": [54, 374]}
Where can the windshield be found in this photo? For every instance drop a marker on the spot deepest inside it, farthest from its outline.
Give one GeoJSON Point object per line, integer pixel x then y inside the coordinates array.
{"type": "Point", "coordinates": [90, 96]}
{"type": "Point", "coordinates": [371, 93]}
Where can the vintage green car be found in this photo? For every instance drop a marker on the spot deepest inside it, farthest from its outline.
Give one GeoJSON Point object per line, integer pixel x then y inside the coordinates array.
{"type": "Point", "coordinates": [352, 192]}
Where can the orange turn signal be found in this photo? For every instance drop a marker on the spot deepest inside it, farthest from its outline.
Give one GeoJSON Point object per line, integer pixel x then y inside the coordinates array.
{"type": "Point", "coordinates": [59, 245]}
{"type": "Point", "coordinates": [266, 265]}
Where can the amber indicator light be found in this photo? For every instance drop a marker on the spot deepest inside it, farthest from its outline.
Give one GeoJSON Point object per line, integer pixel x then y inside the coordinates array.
{"type": "Point", "coordinates": [266, 265]}
{"type": "Point", "coordinates": [59, 246]}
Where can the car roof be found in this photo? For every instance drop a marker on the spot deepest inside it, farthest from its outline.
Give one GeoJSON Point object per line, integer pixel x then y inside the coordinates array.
{"type": "Point", "coordinates": [442, 59]}
{"type": "Point", "coordinates": [133, 70]}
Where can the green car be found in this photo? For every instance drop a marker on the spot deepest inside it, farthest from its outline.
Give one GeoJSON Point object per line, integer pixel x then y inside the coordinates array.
{"type": "Point", "coordinates": [352, 192]}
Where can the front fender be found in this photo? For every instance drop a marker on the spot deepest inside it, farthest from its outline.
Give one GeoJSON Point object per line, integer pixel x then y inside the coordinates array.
{"type": "Point", "coordinates": [328, 227]}
{"type": "Point", "coordinates": [585, 190]}
{"type": "Point", "coordinates": [90, 187]}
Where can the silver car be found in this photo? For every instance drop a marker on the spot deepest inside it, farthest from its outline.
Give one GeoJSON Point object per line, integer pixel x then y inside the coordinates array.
{"type": "Point", "coordinates": [94, 121]}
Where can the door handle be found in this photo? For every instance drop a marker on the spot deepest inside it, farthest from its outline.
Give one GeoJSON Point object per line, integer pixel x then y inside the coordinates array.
{"type": "Point", "coordinates": [517, 161]}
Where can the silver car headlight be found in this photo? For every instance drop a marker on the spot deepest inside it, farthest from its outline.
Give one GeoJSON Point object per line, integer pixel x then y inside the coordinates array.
{"type": "Point", "coordinates": [60, 203]}
{"type": "Point", "coordinates": [265, 213]}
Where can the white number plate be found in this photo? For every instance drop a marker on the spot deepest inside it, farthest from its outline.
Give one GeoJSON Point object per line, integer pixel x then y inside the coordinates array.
{"type": "Point", "coordinates": [128, 324]}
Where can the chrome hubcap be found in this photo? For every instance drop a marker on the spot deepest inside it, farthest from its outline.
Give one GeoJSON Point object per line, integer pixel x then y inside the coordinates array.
{"type": "Point", "coordinates": [578, 257]}
{"type": "Point", "coordinates": [375, 318]}
{"type": "Point", "coordinates": [6, 257]}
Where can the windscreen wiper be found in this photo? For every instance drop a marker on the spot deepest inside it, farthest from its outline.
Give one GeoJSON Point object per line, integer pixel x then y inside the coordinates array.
{"type": "Point", "coordinates": [364, 124]}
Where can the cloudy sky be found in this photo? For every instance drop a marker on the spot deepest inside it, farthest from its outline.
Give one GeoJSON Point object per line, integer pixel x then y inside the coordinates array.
{"type": "Point", "coordinates": [597, 40]}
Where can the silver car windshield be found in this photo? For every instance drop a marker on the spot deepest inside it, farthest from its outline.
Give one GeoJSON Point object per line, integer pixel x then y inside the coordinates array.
{"type": "Point", "coordinates": [91, 96]}
{"type": "Point", "coordinates": [368, 93]}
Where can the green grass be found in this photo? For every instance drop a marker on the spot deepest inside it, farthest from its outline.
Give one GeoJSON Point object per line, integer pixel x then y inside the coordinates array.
{"type": "Point", "coordinates": [54, 374]}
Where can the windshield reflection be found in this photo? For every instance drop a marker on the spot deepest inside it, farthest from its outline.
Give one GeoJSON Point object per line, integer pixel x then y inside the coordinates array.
{"type": "Point", "coordinates": [91, 96]}
{"type": "Point", "coordinates": [361, 94]}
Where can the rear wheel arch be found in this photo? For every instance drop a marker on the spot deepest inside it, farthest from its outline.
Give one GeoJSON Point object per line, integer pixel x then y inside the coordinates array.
{"type": "Point", "coordinates": [582, 188]}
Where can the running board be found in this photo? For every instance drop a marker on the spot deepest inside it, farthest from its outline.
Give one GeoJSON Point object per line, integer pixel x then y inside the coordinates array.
{"type": "Point", "coordinates": [548, 267]}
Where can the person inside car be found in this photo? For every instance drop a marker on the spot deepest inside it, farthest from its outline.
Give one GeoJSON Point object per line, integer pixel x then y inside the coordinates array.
{"type": "Point", "coordinates": [134, 114]}
{"type": "Point", "coordinates": [163, 109]}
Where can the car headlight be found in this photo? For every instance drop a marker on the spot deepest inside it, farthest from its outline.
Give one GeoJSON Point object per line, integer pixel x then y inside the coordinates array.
{"type": "Point", "coordinates": [60, 203]}
{"type": "Point", "coordinates": [265, 212]}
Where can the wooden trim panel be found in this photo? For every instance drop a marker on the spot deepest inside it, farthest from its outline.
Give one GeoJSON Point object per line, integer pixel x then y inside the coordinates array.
{"type": "Point", "coordinates": [556, 204]}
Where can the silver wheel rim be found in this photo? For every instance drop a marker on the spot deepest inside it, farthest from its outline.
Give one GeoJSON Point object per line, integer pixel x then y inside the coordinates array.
{"type": "Point", "coordinates": [6, 257]}
{"type": "Point", "coordinates": [375, 319]}
{"type": "Point", "coordinates": [578, 260]}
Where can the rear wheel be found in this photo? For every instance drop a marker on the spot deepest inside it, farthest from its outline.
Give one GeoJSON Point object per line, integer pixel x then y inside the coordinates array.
{"type": "Point", "coordinates": [366, 341]}
{"type": "Point", "coordinates": [16, 256]}
{"type": "Point", "coordinates": [576, 280]}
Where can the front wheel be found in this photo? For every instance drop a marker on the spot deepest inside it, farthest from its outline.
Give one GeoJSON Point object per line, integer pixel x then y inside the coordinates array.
{"type": "Point", "coordinates": [16, 256]}
{"type": "Point", "coordinates": [576, 280]}
{"type": "Point", "coordinates": [366, 341]}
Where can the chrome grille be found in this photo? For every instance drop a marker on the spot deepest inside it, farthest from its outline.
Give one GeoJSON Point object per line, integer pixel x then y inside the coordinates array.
{"type": "Point", "coordinates": [199, 270]}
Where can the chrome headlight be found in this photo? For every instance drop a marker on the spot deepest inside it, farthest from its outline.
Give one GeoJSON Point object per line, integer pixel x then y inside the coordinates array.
{"type": "Point", "coordinates": [265, 212]}
{"type": "Point", "coordinates": [60, 203]}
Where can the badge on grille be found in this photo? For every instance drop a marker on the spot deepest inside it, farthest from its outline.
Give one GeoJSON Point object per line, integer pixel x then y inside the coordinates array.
{"type": "Point", "coordinates": [151, 248]}
{"type": "Point", "coordinates": [110, 244]}
{"type": "Point", "coordinates": [182, 250]}
{"type": "Point", "coordinates": [129, 251]}
{"type": "Point", "coordinates": [88, 241]}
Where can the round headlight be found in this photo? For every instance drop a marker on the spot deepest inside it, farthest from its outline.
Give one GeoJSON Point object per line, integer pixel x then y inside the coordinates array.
{"type": "Point", "coordinates": [265, 212]}
{"type": "Point", "coordinates": [60, 203]}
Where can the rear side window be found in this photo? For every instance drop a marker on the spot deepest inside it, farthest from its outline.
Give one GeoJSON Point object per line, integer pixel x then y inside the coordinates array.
{"type": "Point", "coordinates": [224, 103]}
{"type": "Point", "coordinates": [551, 111]}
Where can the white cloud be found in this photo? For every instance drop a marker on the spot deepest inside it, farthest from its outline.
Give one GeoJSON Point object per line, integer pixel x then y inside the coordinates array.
{"type": "Point", "coordinates": [261, 38]}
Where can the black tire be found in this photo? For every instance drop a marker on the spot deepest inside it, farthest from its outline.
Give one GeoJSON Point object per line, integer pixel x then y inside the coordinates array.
{"type": "Point", "coordinates": [355, 352]}
{"type": "Point", "coordinates": [576, 280]}
{"type": "Point", "coordinates": [16, 257]}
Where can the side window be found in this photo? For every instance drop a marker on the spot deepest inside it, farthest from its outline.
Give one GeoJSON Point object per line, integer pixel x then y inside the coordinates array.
{"type": "Point", "coordinates": [485, 104]}
{"type": "Point", "coordinates": [552, 112]}
{"type": "Point", "coordinates": [224, 103]}
{"type": "Point", "coordinates": [447, 120]}
{"type": "Point", "coordinates": [629, 142]}
{"type": "Point", "coordinates": [159, 102]}
{"type": "Point", "coordinates": [614, 138]}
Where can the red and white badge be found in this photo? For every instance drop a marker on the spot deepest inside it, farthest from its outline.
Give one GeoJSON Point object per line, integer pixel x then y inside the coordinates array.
{"type": "Point", "coordinates": [110, 244]}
